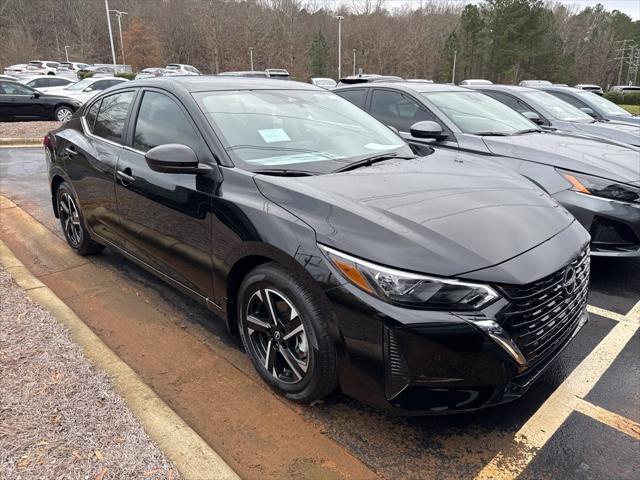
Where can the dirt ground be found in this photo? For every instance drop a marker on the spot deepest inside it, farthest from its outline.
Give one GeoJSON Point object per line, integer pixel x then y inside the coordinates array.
{"type": "Point", "coordinates": [26, 129]}
{"type": "Point", "coordinates": [59, 417]}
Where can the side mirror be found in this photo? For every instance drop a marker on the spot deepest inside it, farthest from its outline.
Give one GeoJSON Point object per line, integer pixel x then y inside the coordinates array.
{"type": "Point", "coordinates": [588, 111]}
{"type": "Point", "coordinates": [172, 158]}
{"type": "Point", "coordinates": [36, 94]}
{"type": "Point", "coordinates": [533, 116]}
{"type": "Point", "coordinates": [427, 129]}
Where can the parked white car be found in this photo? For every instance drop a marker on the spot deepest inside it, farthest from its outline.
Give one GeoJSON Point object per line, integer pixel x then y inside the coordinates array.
{"type": "Point", "coordinates": [181, 69]}
{"type": "Point", "coordinates": [41, 67]}
{"type": "Point", "coordinates": [45, 83]}
{"type": "Point", "coordinates": [597, 89]}
{"type": "Point", "coordinates": [475, 81]}
{"type": "Point", "coordinates": [8, 77]}
{"type": "Point", "coordinates": [71, 69]}
{"type": "Point", "coordinates": [15, 70]}
{"type": "Point", "coordinates": [150, 72]}
{"type": "Point", "coordinates": [326, 83]}
{"type": "Point", "coordinates": [88, 87]}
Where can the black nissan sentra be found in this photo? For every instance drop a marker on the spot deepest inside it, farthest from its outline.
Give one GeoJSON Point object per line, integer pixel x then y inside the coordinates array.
{"type": "Point", "coordinates": [421, 284]}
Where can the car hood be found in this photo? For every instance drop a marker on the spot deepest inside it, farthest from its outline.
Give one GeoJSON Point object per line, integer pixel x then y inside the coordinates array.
{"type": "Point", "coordinates": [635, 120]}
{"type": "Point", "coordinates": [439, 214]}
{"type": "Point", "coordinates": [614, 130]}
{"type": "Point", "coordinates": [571, 152]}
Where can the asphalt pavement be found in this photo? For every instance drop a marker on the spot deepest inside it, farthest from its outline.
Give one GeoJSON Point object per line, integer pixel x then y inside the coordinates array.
{"type": "Point", "coordinates": [588, 435]}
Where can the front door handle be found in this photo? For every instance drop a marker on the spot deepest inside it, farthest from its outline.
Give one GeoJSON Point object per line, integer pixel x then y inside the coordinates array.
{"type": "Point", "coordinates": [125, 176]}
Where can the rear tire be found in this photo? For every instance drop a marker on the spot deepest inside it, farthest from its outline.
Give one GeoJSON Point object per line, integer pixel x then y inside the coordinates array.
{"type": "Point", "coordinates": [72, 223]}
{"type": "Point", "coordinates": [290, 348]}
{"type": "Point", "coordinates": [63, 113]}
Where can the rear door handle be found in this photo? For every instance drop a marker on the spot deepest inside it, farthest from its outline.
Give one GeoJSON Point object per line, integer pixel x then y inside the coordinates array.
{"type": "Point", "coordinates": [70, 151]}
{"type": "Point", "coordinates": [125, 176]}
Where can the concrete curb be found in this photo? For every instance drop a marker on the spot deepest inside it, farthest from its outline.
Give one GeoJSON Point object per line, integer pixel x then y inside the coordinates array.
{"type": "Point", "coordinates": [193, 457]}
{"type": "Point", "coordinates": [20, 142]}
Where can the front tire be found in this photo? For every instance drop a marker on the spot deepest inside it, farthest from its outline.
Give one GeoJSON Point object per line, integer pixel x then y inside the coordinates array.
{"type": "Point", "coordinates": [286, 335]}
{"type": "Point", "coordinates": [72, 223]}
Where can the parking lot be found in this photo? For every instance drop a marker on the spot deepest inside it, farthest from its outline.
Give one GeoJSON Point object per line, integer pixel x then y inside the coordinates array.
{"type": "Point", "coordinates": [581, 419]}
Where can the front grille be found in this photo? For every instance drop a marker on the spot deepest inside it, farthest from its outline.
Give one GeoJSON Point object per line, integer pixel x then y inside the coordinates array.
{"type": "Point", "coordinates": [542, 315]}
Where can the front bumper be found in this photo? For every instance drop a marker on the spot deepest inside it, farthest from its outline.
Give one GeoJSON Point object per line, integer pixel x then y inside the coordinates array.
{"type": "Point", "coordinates": [436, 362]}
{"type": "Point", "coordinates": [614, 226]}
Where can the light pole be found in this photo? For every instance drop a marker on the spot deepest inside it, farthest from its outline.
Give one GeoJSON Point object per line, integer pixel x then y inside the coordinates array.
{"type": "Point", "coordinates": [66, 53]}
{"type": "Point", "coordinates": [119, 15]}
{"type": "Point", "coordinates": [113, 50]}
{"type": "Point", "coordinates": [354, 62]}
{"type": "Point", "coordinates": [251, 57]}
{"type": "Point", "coordinates": [453, 74]}
{"type": "Point", "coordinates": [340, 18]}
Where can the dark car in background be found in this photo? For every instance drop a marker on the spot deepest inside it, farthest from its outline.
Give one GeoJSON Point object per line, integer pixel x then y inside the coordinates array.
{"type": "Point", "coordinates": [19, 102]}
{"type": "Point", "coordinates": [550, 112]}
{"type": "Point", "coordinates": [598, 182]}
{"type": "Point", "coordinates": [427, 285]}
{"type": "Point", "coordinates": [598, 107]}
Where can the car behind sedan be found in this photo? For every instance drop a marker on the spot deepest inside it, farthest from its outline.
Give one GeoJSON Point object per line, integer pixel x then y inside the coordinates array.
{"type": "Point", "coordinates": [20, 102]}
{"type": "Point", "coordinates": [598, 182]}
{"type": "Point", "coordinates": [341, 258]}
{"type": "Point", "coordinates": [551, 112]}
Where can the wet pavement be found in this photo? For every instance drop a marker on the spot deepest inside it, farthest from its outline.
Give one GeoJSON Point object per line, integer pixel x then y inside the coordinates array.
{"type": "Point", "coordinates": [458, 446]}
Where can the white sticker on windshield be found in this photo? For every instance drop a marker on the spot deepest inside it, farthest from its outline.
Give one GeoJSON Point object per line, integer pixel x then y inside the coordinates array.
{"type": "Point", "coordinates": [379, 146]}
{"type": "Point", "coordinates": [271, 135]}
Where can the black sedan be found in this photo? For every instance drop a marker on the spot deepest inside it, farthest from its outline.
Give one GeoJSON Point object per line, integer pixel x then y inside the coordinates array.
{"type": "Point", "coordinates": [549, 111]}
{"type": "Point", "coordinates": [20, 102]}
{"type": "Point", "coordinates": [428, 285]}
{"type": "Point", "coordinates": [593, 104]}
{"type": "Point", "coordinates": [598, 182]}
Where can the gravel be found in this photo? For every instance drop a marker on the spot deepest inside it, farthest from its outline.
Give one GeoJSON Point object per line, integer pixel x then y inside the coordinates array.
{"type": "Point", "coordinates": [26, 129]}
{"type": "Point", "coordinates": [59, 416]}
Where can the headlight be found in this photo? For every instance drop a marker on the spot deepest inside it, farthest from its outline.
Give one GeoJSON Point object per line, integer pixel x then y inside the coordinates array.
{"type": "Point", "coordinates": [411, 289]}
{"type": "Point", "coordinates": [601, 187]}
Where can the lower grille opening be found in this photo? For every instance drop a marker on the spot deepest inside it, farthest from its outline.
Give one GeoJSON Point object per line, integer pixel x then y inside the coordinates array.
{"type": "Point", "coordinates": [609, 235]}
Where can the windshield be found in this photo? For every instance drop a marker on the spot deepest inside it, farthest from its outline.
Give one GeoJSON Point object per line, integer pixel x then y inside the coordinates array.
{"type": "Point", "coordinates": [477, 113]}
{"type": "Point", "coordinates": [556, 108]}
{"type": "Point", "coordinates": [298, 130]}
{"type": "Point", "coordinates": [603, 104]}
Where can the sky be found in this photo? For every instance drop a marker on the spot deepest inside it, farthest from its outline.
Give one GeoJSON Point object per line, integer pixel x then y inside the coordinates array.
{"type": "Point", "coordinates": [630, 7]}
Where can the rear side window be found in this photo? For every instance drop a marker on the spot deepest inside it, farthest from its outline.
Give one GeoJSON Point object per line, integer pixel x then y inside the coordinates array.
{"type": "Point", "coordinates": [112, 116]}
{"type": "Point", "coordinates": [357, 97]}
{"type": "Point", "coordinates": [160, 121]}
{"type": "Point", "coordinates": [101, 85]}
{"type": "Point", "coordinates": [57, 81]}
{"type": "Point", "coordinates": [569, 99]}
{"type": "Point", "coordinates": [92, 113]}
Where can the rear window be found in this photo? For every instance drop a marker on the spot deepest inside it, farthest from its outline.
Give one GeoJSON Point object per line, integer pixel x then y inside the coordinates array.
{"type": "Point", "coordinates": [112, 116]}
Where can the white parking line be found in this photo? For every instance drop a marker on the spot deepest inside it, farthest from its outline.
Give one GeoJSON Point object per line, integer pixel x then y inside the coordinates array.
{"type": "Point", "coordinates": [568, 397]}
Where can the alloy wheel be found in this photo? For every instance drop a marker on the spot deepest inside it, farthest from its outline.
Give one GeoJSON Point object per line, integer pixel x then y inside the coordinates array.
{"type": "Point", "coordinates": [64, 114]}
{"type": "Point", "coordinates": [277, 335]}
{"type": "Point", "coordinates": [70, 219]}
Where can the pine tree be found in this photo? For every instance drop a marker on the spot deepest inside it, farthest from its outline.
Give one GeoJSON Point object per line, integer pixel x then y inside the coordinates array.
{"type": "Point", "coordinates": [318, 54]}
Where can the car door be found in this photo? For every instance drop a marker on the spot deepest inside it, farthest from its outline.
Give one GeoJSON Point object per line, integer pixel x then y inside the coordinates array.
{"type": "Point", "coordinates": [166, 217]}
{"type": "Point", "coordinates": [90, 160]}
{"type": "Point", "coordinates": [22, 102]}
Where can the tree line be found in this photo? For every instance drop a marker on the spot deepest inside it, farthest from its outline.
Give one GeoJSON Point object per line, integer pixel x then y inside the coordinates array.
{"type": "Point", "coordinates": [502, 40]}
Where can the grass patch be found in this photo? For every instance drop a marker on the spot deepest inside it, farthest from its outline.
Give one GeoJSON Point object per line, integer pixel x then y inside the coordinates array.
{"type": "Point", "coordinates": [633, 109]}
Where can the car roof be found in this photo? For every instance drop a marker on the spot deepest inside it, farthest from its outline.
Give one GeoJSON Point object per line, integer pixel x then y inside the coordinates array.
{"type": "Point", "coordinates": [557, 88]}
{"type": "Point", "coordinates": [210, 83]}
{"type": "Point", "coordinates": [34, 77]}
{"type": "Point", "coordinates": [510, 88]}
{"type": "Point", "coordinates": [409, 87]}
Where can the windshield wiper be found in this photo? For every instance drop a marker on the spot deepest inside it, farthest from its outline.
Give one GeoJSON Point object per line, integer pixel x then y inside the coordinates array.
{"type": "Point", "coordinates": [493, 134]}
{"type": "Point", "coordinates": [528, 130]}
{"type": "Point", "coordinates": [285, 172]}
{"type": "Point", "coordinates": [365, 162]}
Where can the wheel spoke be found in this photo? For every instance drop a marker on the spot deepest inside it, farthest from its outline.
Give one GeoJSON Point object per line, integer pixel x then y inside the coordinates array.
{"type": "Point", "coordinates": [64, 206]}
{"type": "Point", "coordinates": [266, 298]}
{"type": "Point", "coordinates": [255, 324]}
{"type": "Point", "coordinates": [294, 327]}
{"type": "Point", "coordinates": [270, 358]}
{"type": "Point", "coordinates": [297, 369]}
